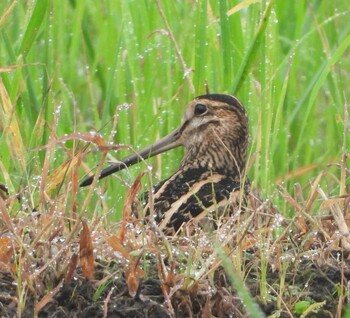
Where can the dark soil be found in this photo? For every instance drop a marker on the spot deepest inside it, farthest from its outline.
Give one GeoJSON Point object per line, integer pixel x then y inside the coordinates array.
{"type": "Point", "coordinates": [308, 280]}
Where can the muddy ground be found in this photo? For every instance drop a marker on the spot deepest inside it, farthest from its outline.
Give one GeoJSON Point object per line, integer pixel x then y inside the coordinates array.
{"type": "Point", "coordinates": [309, 281]}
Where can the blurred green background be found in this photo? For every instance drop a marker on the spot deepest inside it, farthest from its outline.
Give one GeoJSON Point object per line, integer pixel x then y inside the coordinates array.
{"type": "Point", "coordinates": [70, 66]}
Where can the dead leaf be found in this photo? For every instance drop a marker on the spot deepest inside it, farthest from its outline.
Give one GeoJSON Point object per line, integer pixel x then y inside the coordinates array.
{"type": "Point", "coordinates": [206, 312]}
{"type": "Point", "coordinates": [170, 278]}
{"type": "Point", "coordinates": [329, 226]}
{"type": "Point", "coordinates": [133, 284]}
{"type": "Point", "coordinates": [130, 198]}
{"type": "Point", "coordinates": [128, 203]}
{"type": "Point", "coordinates": [5, 215]}
{"type": "Point", "coordinates": [6, 252]}
{"type": "Point", "coordinates": [301, 224]}
{"type": "Point", "coordinates": [134, 275]}
{"type": "Point", "coordinates": [58, 175]}
{"type": "Point", "coordinates": [115, 243]}
{"type": "Point", "coordinates": [247, 242]}
{"type": "Point", "coordinates": [289, 198]}
{"type": "Point", "coordinates": [71, 268]}
{"type": "Point", "coordinates": [86, 252]}
{"type": "Point", "coordinates": [10, 68]}
{"type": "Point", "coordinates": [164, 276]}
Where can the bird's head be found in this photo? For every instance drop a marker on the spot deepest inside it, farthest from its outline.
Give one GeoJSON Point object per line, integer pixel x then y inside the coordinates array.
{"type": "Point", "coordinates": [214, 132]}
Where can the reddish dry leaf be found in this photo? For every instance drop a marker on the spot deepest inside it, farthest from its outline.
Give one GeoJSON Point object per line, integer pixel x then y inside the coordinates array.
{"type": "Point", "coordinates": [71, 268]}
{"type": "Point", "coordinates": [6, 252]}
{"type": "Point", "coordinates": [247, 242]}
{"type": "Point", "coordinates": [5, 215]}
{"type": "Point", "coordinates": [206, 312]}
{"type": "Point", "coordinates": [86, 252]}
{"type": "Point", "coordinates": [133, 276]}
{"type": "Point", "coordinates": [164, 278]}
{"type": "Point", "coordinates": [250, 239]}
{"type": "Point", "coordinates": [170, 279]}
{"type": "Point", "coordinates": [57, 231]}
{"type": "Point", "coordinates": [6, 14]}
{"type": "Point", "coordinates": [130, 199]}
{"type": "Point", "coordinates": [276, 261]}
{"type": "Point", "coordinates": [339, 219]}
{"type": "Point", "coordinates": [309, 242]}
{"type": "Point", "coordinates": [59, 174]}
{"type": "Point", "coordinates": [114, 242]}
{"type": "Point", "coordinates": [75, 187]}
{"type": "Point", "coordinates": [289, 199]}
{"type": "Point", "coordinates": [298, 192]}
{"type": "Point", "coordinates": [329, 227]}
{"type": "Point", "coordinates": [133, 284]}
{"type": "Point", "coordinates": [301, 224]}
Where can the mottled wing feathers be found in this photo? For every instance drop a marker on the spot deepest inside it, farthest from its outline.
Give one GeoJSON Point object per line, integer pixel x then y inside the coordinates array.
{"type": "Point", "coordinates": [189, 193]}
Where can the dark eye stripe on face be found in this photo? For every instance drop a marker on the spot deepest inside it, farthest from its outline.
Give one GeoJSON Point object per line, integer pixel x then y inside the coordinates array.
{"type": "Point", "coordinates": [183, 127]}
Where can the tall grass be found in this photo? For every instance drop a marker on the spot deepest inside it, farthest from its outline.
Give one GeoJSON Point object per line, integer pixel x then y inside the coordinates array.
{"type": "Point", "coordinates": [287, 61]}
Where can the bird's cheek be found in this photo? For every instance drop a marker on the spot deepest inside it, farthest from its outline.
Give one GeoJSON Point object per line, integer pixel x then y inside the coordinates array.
{"type": "Point", "coordinates": [191, 140]}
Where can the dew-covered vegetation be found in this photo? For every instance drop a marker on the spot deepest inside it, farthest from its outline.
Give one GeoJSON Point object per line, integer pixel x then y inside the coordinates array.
{"type": "Point", "coordinates": [84, 83]}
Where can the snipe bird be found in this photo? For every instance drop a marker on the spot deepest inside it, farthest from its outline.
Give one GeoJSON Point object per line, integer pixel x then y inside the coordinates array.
{"type": "Point", "coordinates": [215, 134]}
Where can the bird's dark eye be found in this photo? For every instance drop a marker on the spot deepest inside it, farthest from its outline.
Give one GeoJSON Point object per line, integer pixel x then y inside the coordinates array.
{"type": "Point", "coordinates": [200, 109]}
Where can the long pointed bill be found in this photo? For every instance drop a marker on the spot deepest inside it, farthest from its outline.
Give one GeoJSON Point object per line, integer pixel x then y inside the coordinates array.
{"type": "Point", "coordinates": [166, 143]}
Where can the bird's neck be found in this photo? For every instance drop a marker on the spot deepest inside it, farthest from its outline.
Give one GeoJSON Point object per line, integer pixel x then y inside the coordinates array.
{"type": "Point", "coordinates": [228, 161]}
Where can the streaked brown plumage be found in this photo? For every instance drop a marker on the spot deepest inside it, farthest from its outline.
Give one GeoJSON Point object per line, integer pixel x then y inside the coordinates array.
{"type": "Point", "coordinates": [215, 134]}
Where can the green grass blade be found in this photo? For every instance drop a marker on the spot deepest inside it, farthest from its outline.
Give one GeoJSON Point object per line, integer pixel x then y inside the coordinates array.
{"type": "Point", "coordinates": [319, 81]}
{"type": "Point", "coordinates": [34, 25]}
{"type": "Point", "coordinates": [249, 57]}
